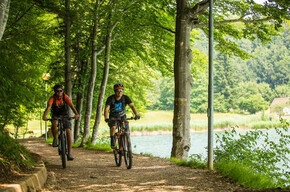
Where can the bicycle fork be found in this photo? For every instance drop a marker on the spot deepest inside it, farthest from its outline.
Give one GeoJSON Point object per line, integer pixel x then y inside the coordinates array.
{"type": "Point", "coordinates": [119, 137]}
{"type": "Point", "coordinates": [60, 135]}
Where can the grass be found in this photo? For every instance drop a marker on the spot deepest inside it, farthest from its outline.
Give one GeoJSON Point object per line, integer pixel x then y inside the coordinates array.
{"type": "Point", "coordinates": [102, 144]}
{"type": "Point", "coordinates": [13, 156]}
{"type": "Point", "coordinates": [191, 162]}
{"type": "Point", "coordinates": [244, 175]}
{"type": "Point", "coordinates": [162, 120]}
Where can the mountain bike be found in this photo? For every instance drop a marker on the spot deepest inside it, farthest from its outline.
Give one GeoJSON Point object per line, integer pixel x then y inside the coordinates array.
{"type": "Point", "coordinates": [62, 138]}
{"type": "Point", "coordinates": [123, 144]}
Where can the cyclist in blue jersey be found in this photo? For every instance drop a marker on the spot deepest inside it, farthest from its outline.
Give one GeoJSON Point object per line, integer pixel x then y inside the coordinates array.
{"type": "Point", "coordinates": [116, 108]}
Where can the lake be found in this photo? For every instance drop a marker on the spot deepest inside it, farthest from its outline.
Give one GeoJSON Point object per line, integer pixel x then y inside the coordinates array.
{"type": "Point", "coordinates": [160, 145]}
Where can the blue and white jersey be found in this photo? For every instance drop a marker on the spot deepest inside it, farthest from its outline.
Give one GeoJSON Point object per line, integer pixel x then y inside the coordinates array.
{"type": "Point", "coordinates": [118, 107]}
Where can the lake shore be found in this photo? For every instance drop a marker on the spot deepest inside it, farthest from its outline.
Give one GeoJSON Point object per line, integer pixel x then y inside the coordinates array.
{"type": "Point", "coordinates": [169, 132]}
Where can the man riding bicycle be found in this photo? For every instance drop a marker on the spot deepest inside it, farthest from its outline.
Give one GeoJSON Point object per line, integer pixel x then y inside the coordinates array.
{"type": "Point", "coordinates": [58, 104]}
{"type": "Point", "coordinates": [117, 105]}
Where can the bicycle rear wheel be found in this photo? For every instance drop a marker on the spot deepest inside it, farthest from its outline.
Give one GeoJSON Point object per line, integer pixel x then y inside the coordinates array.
{"type": "Point", "coordinates": [63, 150]}
{"type": "Point", "coordinates": [127, 150]}
{"type": "Point", "coordinates": [117, 151]}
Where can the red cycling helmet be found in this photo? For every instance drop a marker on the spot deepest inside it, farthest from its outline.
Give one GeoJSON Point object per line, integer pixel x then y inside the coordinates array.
{"type": "Point", "coordinates": [118, 86]}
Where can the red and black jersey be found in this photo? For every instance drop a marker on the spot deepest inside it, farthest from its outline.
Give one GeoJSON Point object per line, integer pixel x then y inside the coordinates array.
{"type": "Point", "coordinates": [59, 106]}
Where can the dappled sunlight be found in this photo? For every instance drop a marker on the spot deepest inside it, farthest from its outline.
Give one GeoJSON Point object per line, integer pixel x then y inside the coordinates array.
{"type": "Point", "coordinates": [154, 182]}
{"type": "Point", "coordinates": [152, 167]}
{"type": "Point", "coordinates": [161, 185]}
{"type": "Point", "coordinates": [97, 171]}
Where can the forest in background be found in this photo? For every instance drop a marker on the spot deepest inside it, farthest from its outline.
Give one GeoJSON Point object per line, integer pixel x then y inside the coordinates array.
{"type": "Point", "coordinates": [240, 85]}
{"type": "Point", "coordinates": [135, 40]}
{"type": "Point", "coordinates": [77, 42]}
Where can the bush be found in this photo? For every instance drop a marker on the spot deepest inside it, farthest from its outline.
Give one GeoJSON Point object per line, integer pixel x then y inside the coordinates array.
{"type": "Point", "coordinates": [253, 104]}
{"type": "Point", "coordinates": [13, 156]}
{"type": "Point", "coordinates": [269, 159]}
{"type": "Point", "coordinates": [194, 161]}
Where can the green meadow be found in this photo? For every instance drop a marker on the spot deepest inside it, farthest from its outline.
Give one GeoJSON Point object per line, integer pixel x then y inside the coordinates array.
{"type": "Point", "coordinates": [162, 121]}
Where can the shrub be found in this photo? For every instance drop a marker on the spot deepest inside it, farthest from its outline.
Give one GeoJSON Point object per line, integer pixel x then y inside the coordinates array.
{"type": "Point", "coordinates": [268, 159]}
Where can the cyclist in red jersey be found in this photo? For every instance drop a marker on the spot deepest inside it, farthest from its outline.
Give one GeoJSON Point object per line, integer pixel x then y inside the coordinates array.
{"type": "Point", "coordinates": [58, 104]}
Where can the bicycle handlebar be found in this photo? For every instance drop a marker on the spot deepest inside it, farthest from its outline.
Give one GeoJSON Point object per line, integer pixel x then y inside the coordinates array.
{"type": "Point", "coordinates": [131, 118]}
{"type": "Point", "coordinates": [60, 118]}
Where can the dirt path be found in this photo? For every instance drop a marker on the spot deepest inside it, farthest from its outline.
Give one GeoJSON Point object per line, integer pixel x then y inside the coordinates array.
{"type": "Point", "coordinates": [96, 171]}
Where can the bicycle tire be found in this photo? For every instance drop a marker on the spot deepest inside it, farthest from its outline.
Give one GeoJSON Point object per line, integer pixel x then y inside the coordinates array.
{"type": "Point", "coordinates": [63, 150]}
{"type": "Point", "coordinates": [117, 151]}
{"type": "Point", "coordinates": [127, 150]}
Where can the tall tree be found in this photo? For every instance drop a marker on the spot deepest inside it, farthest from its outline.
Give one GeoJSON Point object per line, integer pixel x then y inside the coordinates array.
{"type": "Point", "coordinates": [183, 83]}
{"type": "Point", "coordinates": [110, 28]}
{"type": "Point", "coordinates": [4, 12]}
{"type": "Point", "coordinates": [68, 80]}
{"type": "Point", "coordinates": [24, 44]}
{"type": "Point", "coordinates": [192, 15]}
{"type": "Point", "coordinates": [225, 79]}
{"type": "Point", "coordinates": [93, 76]}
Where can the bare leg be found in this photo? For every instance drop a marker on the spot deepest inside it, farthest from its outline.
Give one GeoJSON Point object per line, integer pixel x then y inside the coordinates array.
{"type": "Point", "coordinates": [54, 128]}
{"type": "Point", "coordinates": [69, 140]}
{"type": "Point", "coordinates": [112, 130]}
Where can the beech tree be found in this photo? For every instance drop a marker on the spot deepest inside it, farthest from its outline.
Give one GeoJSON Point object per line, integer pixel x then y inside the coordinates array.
{"type": "Point", "coordinates": [238, 19]}
{"type": "Point", "coordinates": [91, 86]}
{"type": "Point", "coordinates": [24, 53]}
{"type": "Point", "coordinates": [4, 12]}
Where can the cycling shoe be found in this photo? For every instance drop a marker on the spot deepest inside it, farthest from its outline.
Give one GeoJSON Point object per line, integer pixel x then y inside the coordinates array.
{"type": "Point", "coordinates": [54, 143]}
{"type": "Point", "coordinates": [70, 157]}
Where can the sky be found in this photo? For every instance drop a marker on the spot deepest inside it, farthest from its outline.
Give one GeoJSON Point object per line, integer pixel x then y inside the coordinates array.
{"type": "Point", "coordinates": [259, 1]}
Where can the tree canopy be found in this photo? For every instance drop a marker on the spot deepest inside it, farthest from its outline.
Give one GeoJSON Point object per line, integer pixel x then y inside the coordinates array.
{"type": "Point", "coordinates": [47, 36]}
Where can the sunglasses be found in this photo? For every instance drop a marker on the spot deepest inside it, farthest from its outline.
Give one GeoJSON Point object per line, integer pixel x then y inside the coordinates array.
{"type": "Point", "coordinates": [59, 91]}
{"type": "Point", "coordinates": [119, 91]}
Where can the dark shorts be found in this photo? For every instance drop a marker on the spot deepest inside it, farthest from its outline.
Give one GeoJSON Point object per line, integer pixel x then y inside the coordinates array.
{"type": "Point", "coordinates": [66, 122]}
{"type": "Point", "coordinates": [113, 122]}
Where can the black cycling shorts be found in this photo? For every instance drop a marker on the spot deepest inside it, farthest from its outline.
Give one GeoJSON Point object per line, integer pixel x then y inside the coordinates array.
{"type": "Point", "coordinates": [66, 122]}
{"type": "Point", "coordinates": [113, 122]}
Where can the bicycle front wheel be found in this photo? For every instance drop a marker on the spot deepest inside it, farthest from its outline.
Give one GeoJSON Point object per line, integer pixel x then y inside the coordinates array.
{"type": "Point", "coordinates": [117, 151]}
{"type": "Point", "coordinates": [127, 150]}
{"type": "Point", "coordinates": [63, 150]}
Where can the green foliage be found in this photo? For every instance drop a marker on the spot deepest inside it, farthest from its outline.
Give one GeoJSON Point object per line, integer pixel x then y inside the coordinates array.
{"type": "Point", "coordinates": [102, 143]}
{"type": "Point", "coordinates": [24, 50]}
{"type": "Point", "coordinates": [237, 79]}
{"type": "Point", "coordinates": [237, 153]}
{"type": "Point", "coordinates": [225, 80]}
{"type": "Point", "coordinates": [194, 161]}
{"type": "Point", "coordinates": [199, 94]}
{"type": "Point", "coordinates": [167, 94]}
{"type": "Point", "coordinates": [13, 155]}
{"type": "Point", "coordinates": [253, 104]}
{"type": "Point", "coordinates": [282, 90]}
{"type": "Point", "coordinates": [243, 174]}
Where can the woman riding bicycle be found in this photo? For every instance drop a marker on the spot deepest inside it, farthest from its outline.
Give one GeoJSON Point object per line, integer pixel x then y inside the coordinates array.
{"type": "Point", "coordinates": [58, 103]}
{"type": "Point", "coordinates": [116, 104]}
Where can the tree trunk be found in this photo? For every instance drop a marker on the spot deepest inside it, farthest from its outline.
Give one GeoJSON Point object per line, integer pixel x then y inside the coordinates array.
{"type": "Point", "coordinates": [80, 98]}
{"type": "Point", "coordinates": [4, 12]}
{"type": "Point", "coordinates": [104, 83]}
{"type": "Point", "coordinates": [92, 79]}
{"type": "Point", "coordinates": [68, 86]}
{"type": "Point", "coordinates": [183, 84]}
{"type": "Point", "coordinates": [68, 80]}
